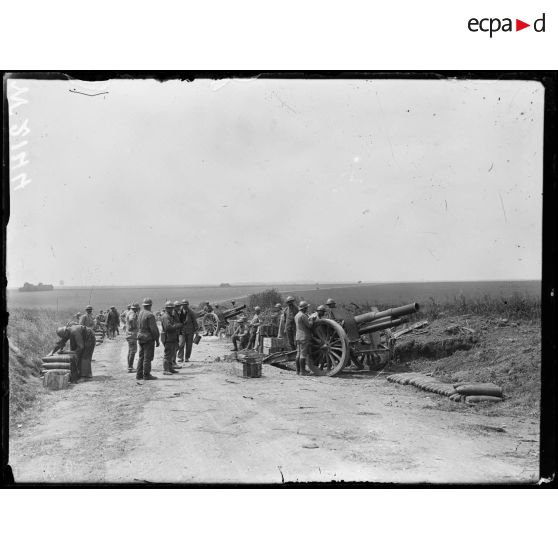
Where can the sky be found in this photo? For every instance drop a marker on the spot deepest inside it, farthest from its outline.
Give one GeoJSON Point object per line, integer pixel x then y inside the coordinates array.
{"type": "Point", "coordinates": [136, 182]}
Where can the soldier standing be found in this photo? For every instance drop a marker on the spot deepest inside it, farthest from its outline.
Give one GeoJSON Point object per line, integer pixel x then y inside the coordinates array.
{"type": "Point", "coordinates": [82, 342]}
{"type": "Point", "coordinates": [330, 303]}
{"type": "Point", "coordinates": [189, 322]}
{"type": "Point", "coordinates": [148, 338]}
{"type": "Point", "coordinates": [176, 313]}
{"type": "Point", "coordinates": [124, 316]}
{"type": "Point", "coordinates": [170, 329]}
{"type": "Point", "coordinates": [303, 337]}
{"type": "Point", "coordinates": [112, 322]}
{"type": "Point", "coordinates": [132, 334]}
{"type": "Point", "coordinates": [255, 323]}
{"type": "Point", "coordinates": [87, 319]}
{"type": "Point", "coordinates": [288, 322]}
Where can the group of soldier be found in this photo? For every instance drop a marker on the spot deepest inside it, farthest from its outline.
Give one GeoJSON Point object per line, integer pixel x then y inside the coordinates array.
{"type": "Point", "coordinates": [292, 322]}
{"type": "Point", "coordinates": [179, 325]}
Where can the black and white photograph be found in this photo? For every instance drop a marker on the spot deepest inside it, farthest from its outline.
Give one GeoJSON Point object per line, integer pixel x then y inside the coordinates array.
{"type": "Point", "coordinates": [274, 278]}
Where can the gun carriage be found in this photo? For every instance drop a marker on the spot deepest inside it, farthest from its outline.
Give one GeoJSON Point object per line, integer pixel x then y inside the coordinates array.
{"type": "Point", "coordinates": [365, 340]}
{"type": "Point", "coordinates": [212, 322]}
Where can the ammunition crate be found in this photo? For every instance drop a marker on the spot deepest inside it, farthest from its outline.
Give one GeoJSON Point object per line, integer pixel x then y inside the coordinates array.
{"type": "Point", "coordinates": [248, 364]}
{"type": "Point", "coordinates": [274, 343]}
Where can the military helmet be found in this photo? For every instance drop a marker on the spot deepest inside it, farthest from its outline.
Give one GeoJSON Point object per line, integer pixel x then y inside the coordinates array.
{"type": "Point", "coordinates": [147, 302]}
{"type": "Point", "coordinates": [242, 319]}
{"type": "Point", "coordinates": [184, 301]}
{"type": "Point", "coordinates": [129, 306]}
{"type": "Point", "coordinates": [176, 303]}
{"type": "Point", "coordinates": [278, 305]}
{"type": "Point", "coordinates": [257, 308]}
{"type": "Point", "coordinates": [135, 306]}
{"type": "Point", "coordinates": [113, 307]}
{"type": "Point", "coordinates": [61, 331]}
{"type": "Point", "coordinates": [302, 304]}
{"type": "Point", "coordinates": [89, 307]}
{"type": "Point", "coordinates": [330, 301]}
{"type": "Point", "coordinates": [290, 299]}
{"type": "Point", "coordinates": [169, 304]}
{"type": "Point", "coordinates": [321, 307]}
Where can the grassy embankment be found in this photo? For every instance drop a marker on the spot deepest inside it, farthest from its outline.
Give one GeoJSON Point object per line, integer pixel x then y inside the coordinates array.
{"type": "Point", "coordinates": [32, 335]}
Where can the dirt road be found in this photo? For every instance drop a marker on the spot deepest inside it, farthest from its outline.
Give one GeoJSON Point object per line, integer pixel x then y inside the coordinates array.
{"type": "Point", "coordinates": [208, 425]}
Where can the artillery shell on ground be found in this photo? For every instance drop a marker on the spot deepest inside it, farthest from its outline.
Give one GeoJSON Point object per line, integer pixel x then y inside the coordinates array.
{"type": "Point", "coordinates": [57, 365]}
{"type": "Point", "coordinates": [58, 358]}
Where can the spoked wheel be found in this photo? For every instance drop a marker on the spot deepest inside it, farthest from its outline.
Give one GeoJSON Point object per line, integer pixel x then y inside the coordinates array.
{"type": "Point", "coordinates": [329, 348]}
{"type": "Point", "coordinates": [210, 323]}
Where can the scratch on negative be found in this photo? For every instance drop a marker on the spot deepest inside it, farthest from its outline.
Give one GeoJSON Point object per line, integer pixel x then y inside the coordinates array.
{"type": "Point", "coordinates": [88, 94]}
{"type": "Point", "coordinates": [503, 208]}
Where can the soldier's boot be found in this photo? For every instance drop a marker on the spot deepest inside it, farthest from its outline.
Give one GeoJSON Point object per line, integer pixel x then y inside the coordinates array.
{"type": "Point", "coordinates": [303, 370]}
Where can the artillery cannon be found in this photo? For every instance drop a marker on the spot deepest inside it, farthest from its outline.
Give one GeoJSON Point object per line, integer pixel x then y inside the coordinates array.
{"type": "Point", "coordinates": [212, 322]}
{"type": "Point", "coordinates": [355, 338]}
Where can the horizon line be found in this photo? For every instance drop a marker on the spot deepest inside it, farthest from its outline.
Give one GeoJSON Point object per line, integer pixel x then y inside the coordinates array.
{"type": "Point", "coordinates": [278, 283]}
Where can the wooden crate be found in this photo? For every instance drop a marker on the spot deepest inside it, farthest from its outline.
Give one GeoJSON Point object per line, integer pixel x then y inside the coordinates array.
{"type": "Point", "coordinates": [248, 369]}
{"type": "Point", "coordinates": [248, 364]}
{"type": "Point", "coordinates": [274, 343]}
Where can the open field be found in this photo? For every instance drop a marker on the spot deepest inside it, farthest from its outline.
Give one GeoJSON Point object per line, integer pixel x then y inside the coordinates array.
{"type": "Point", "coordinates": [67, 298]}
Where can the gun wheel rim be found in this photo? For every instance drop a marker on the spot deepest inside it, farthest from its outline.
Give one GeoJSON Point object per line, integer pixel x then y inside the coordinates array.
{"type": "Point", "coordinates": [329, 348]}
{"type": "Point", "coordinates": [210, 323]}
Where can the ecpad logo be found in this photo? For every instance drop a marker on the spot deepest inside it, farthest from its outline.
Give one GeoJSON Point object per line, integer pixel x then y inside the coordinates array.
{"type": "Point", "coordinates": [492, 25]}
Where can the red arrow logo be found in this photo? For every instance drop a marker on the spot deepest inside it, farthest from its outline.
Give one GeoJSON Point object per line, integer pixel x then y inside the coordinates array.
{"type": "Point", "coordinates": [519, 25]}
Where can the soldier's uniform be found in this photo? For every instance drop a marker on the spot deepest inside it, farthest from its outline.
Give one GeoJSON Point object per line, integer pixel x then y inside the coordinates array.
{"type": "Point", "coordinates": [255, 323]}
{"type": "Point", "coordinates": [82, 342]}
{"type": "Point", "coordinates": [330, 309]}
{"type": "Point", "coordinates": [290, 327]}
{"type": "Point", "coordinates": [189, 323]}
{"type": "Point", "coordinates": [88, 320]}
{"type": "Point", "coordinates": [112, 323]}
{"type": "Point", "coordinates": [170, 326]}
{"type": "Point", "coordinates": [148, 337]}
{"type": "Point", "coordinates": [303, 338]}
{"type": "Point", "coordinates": [241, 334]}
{"type": "Point", "coordinates": [132, 335]}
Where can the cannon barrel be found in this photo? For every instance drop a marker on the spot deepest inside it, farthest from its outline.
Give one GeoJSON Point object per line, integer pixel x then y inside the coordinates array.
{"type": "Point", "coordinates": [231, 312]}
{"type": "Point", "coordinates": [383, 324]}
{"type": "Point", "coordinates": [391, 313]}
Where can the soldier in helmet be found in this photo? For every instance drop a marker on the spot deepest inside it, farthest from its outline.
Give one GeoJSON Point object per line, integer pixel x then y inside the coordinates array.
{"type": "Point", "coordinates": [132, 334]}
{"type": "Point", "coordinates": [241, 334]}
{"type": "Point", "coordinates": [148, 338]}
{"type": "Point", "coordinates": [170, 327]}
{"type": "Point", "coordinates": [255, 324]}
{"type": "Point", "coordinates": [82, 342]}
{"type": "Point", "coordinates": [87, 319]}
{"type": "Point", "coordinates": [287, 325]}
{"type": "Point", "coordinates": [112, 322]}
{"type": "Point", "coordinates": [189, 323]}
{"type": "Point", "coordinates": [303, 337]}
{"type": "Point", "coordinates": [329, 313]}
{"type": "Point", "coordinates": [176, 314]}
{"type": "Point", "coordinates": [319, 313]}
